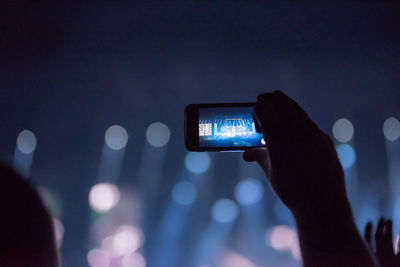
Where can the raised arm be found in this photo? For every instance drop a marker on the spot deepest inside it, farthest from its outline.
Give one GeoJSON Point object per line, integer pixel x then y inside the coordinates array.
{"type": "Point", "coordinates": [301, 163]}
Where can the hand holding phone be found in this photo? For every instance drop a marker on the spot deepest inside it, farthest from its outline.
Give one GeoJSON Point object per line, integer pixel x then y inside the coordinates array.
{"type": "Point", "coordinates": [221, 127]}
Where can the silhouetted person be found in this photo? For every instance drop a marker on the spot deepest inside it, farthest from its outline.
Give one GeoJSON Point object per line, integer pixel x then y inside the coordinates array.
{"type": "Point", "coordinates": [26, 230]}
{"type": "Point", "coordinates": [383, 243]}
{"type": "Point", "coordinates": [301, 163]}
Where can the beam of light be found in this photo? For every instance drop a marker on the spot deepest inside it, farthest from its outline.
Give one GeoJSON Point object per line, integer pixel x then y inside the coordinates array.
{"type": "Point", "coordinates": [133, 260]}
{"type": "Point", "coordinates": [103, 197]}
{"type": "Point", "coordinates": [248, 191]}
{"type": "Point", "coordinates": [98, 258]}
{"type": "Point", "coordinates": [58, 228]}
{"type": "Point", "coordinates": [158, 134]}
{"type": "Point", "coordinates": [127, 240]}
{"type": "Point", "coordinates": [224, 211]}
{"type": "Point", "coordinates": [23, 155]}
{"type": "Point", "coordinates": [343, 130]}
{"type": "Point", "coordinates": [391, 132]}
{"type": "Point", "coordinates": [347, 155]}
{"type": "Point", "coordinates": [197, 162]}
{"type": "Point", "coordinates": [26, 142]}
{"type": "Point", "coordinates": [212, 241]}
{"type": "Point", "coordinates": [184, 193]}
{"type": "Point", "coordinates": [116, 137]}
{"type": "Point", "coordinates": [391, 129]}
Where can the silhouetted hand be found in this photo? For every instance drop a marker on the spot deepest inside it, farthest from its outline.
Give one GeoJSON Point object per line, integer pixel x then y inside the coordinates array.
{"type": "Point", "coordinates": [383, 243]}
{"type": "Point", "coordinates": [301, 163]}
{"type": "Point", "coordinates": [299, 159]}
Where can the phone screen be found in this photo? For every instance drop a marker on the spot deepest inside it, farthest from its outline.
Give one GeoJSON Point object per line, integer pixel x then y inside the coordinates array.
{"type": "Point", "coordinates": [228, 127]}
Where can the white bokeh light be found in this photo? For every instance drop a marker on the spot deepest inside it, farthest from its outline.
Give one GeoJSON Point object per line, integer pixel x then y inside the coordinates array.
{"type": "Point", "coordinates": [98, 258]}
{"type": "Point", "coordinates": [224, 210]}
{"type": "Point", "coordinates": [391, 129]}
{"type": "Point", "coordinates": [103, 197]}
{"type": "Point", "coordinates": [343, 130]}
{"type": "Point", "coordinates": [184, 193]}
{"type": "Point", "coordinates": [127, 239]}
{"type": "Point", "coordinates": [26, 142]}
{"type": "Point", "coordinates": [248, 191]}
{"type": "Point", "coordinates": [133, 260]}
{"type": "Point", "coordinates": [157, 134]}
{"type": "Point", "coordinates": [58, 228]}
{"type": "Point", "coordinates": [197, 162]}
{"type": "Point", "coordinates": [281, 238]}
{"type": "Point", "coordinates": [116, 137]}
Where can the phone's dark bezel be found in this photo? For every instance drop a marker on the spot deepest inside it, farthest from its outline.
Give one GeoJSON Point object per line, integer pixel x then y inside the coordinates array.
{"type": "Point", "coordinates": [191, 125]}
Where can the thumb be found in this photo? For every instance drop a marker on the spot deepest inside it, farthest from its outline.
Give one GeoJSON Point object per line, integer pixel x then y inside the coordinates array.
{"type": "Point", "coordinates": [260, 155]}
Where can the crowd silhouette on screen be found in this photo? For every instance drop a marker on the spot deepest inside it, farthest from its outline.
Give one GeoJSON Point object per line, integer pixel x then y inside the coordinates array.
{"type": "Point", "coordinates": [302, 167]}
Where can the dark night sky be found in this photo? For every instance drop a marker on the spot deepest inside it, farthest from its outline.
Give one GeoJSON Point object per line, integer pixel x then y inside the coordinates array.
{"type": "Point", "coordinates": [67, 72]}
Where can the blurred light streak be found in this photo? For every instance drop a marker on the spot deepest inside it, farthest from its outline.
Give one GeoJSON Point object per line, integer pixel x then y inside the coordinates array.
{"type": "Point", "coordinates": [24, 152]}
{"type": "Point", "coordinates": [169, 234]}
{"type": "Point", "coordinates": [212, 241]}
{"type": "Point", "coordinates": [391, 129]}
{"type": "Point", "coordinates": [149, 175]}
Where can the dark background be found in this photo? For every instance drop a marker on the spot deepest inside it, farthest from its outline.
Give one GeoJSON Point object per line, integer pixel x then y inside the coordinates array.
{"type": "Point", "coordinates": [68, 72]}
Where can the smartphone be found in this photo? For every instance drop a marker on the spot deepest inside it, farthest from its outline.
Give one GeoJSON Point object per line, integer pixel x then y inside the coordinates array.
{"type": "Point", "coordinates": [221, 127]}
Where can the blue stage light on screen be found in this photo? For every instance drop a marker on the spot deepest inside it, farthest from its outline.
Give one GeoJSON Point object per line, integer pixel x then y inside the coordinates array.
{"type": "Point", "coordinates": [26, 142]}
{"type": "Point", "coordinates": [347, 155]}
{"type": "Point", "coordinates": [224, 211]}
{"type": "Point", "coordinates": [184, 193]}
{"type": "Point", "coordinates": [249, 191]}
{"type": "Point", "coordinates": [197, 162]}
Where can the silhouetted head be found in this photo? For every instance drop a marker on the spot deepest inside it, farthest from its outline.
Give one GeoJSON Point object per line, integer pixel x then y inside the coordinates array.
{"type": "Point", "coordinates": [26, 229]}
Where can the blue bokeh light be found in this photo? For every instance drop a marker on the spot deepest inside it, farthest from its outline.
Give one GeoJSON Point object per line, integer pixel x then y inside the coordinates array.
{"type": "Point", "coordinates": [347, 155]}
{"type": "Point", "coordinates": [249, 191]}
{"type": "Point", "coordinates": [224, 210]}
{"type": "Point", "coordinates": [197, 162]}
{"type": "Point", "coordinates": [184, 193]}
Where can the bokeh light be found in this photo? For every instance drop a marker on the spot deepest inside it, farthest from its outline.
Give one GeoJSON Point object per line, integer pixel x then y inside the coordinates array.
{"type": "Point", "coordinates": [26, 142]}
{"type": "Point", "coordinates": [157, 134]}
{"type": "Point", "coordinates": [98, 258]}
{"type": "Point", "coordinates": [248, 191]}
{"type": "Point", "coordinates": [197, 162]}
{"type": "Point", "coordinates": [347, 155]}
{"type": "Point", "coordinates": [116, 137]}
{"type": "Point", "coordinates": [133, 260]}
{"type": "Point", "coordinates": [232, 259]}
{"type": "Point", "coordinates": [127, 239]}
{"type": "Point", "coordinates": [103, 197]}
{"type": "Point", "coordinates": [58, 228]}
{"type": "Point", "coordinates": [184, 193]}
{"type": "Point", "coordinates": [224, 210]}
{"type": "Point", "coordinates": [281, 238]}
{"type": "Point", "coordinates": [391, 129]}
{"type": "Point", "coordinates": [343, 130]}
